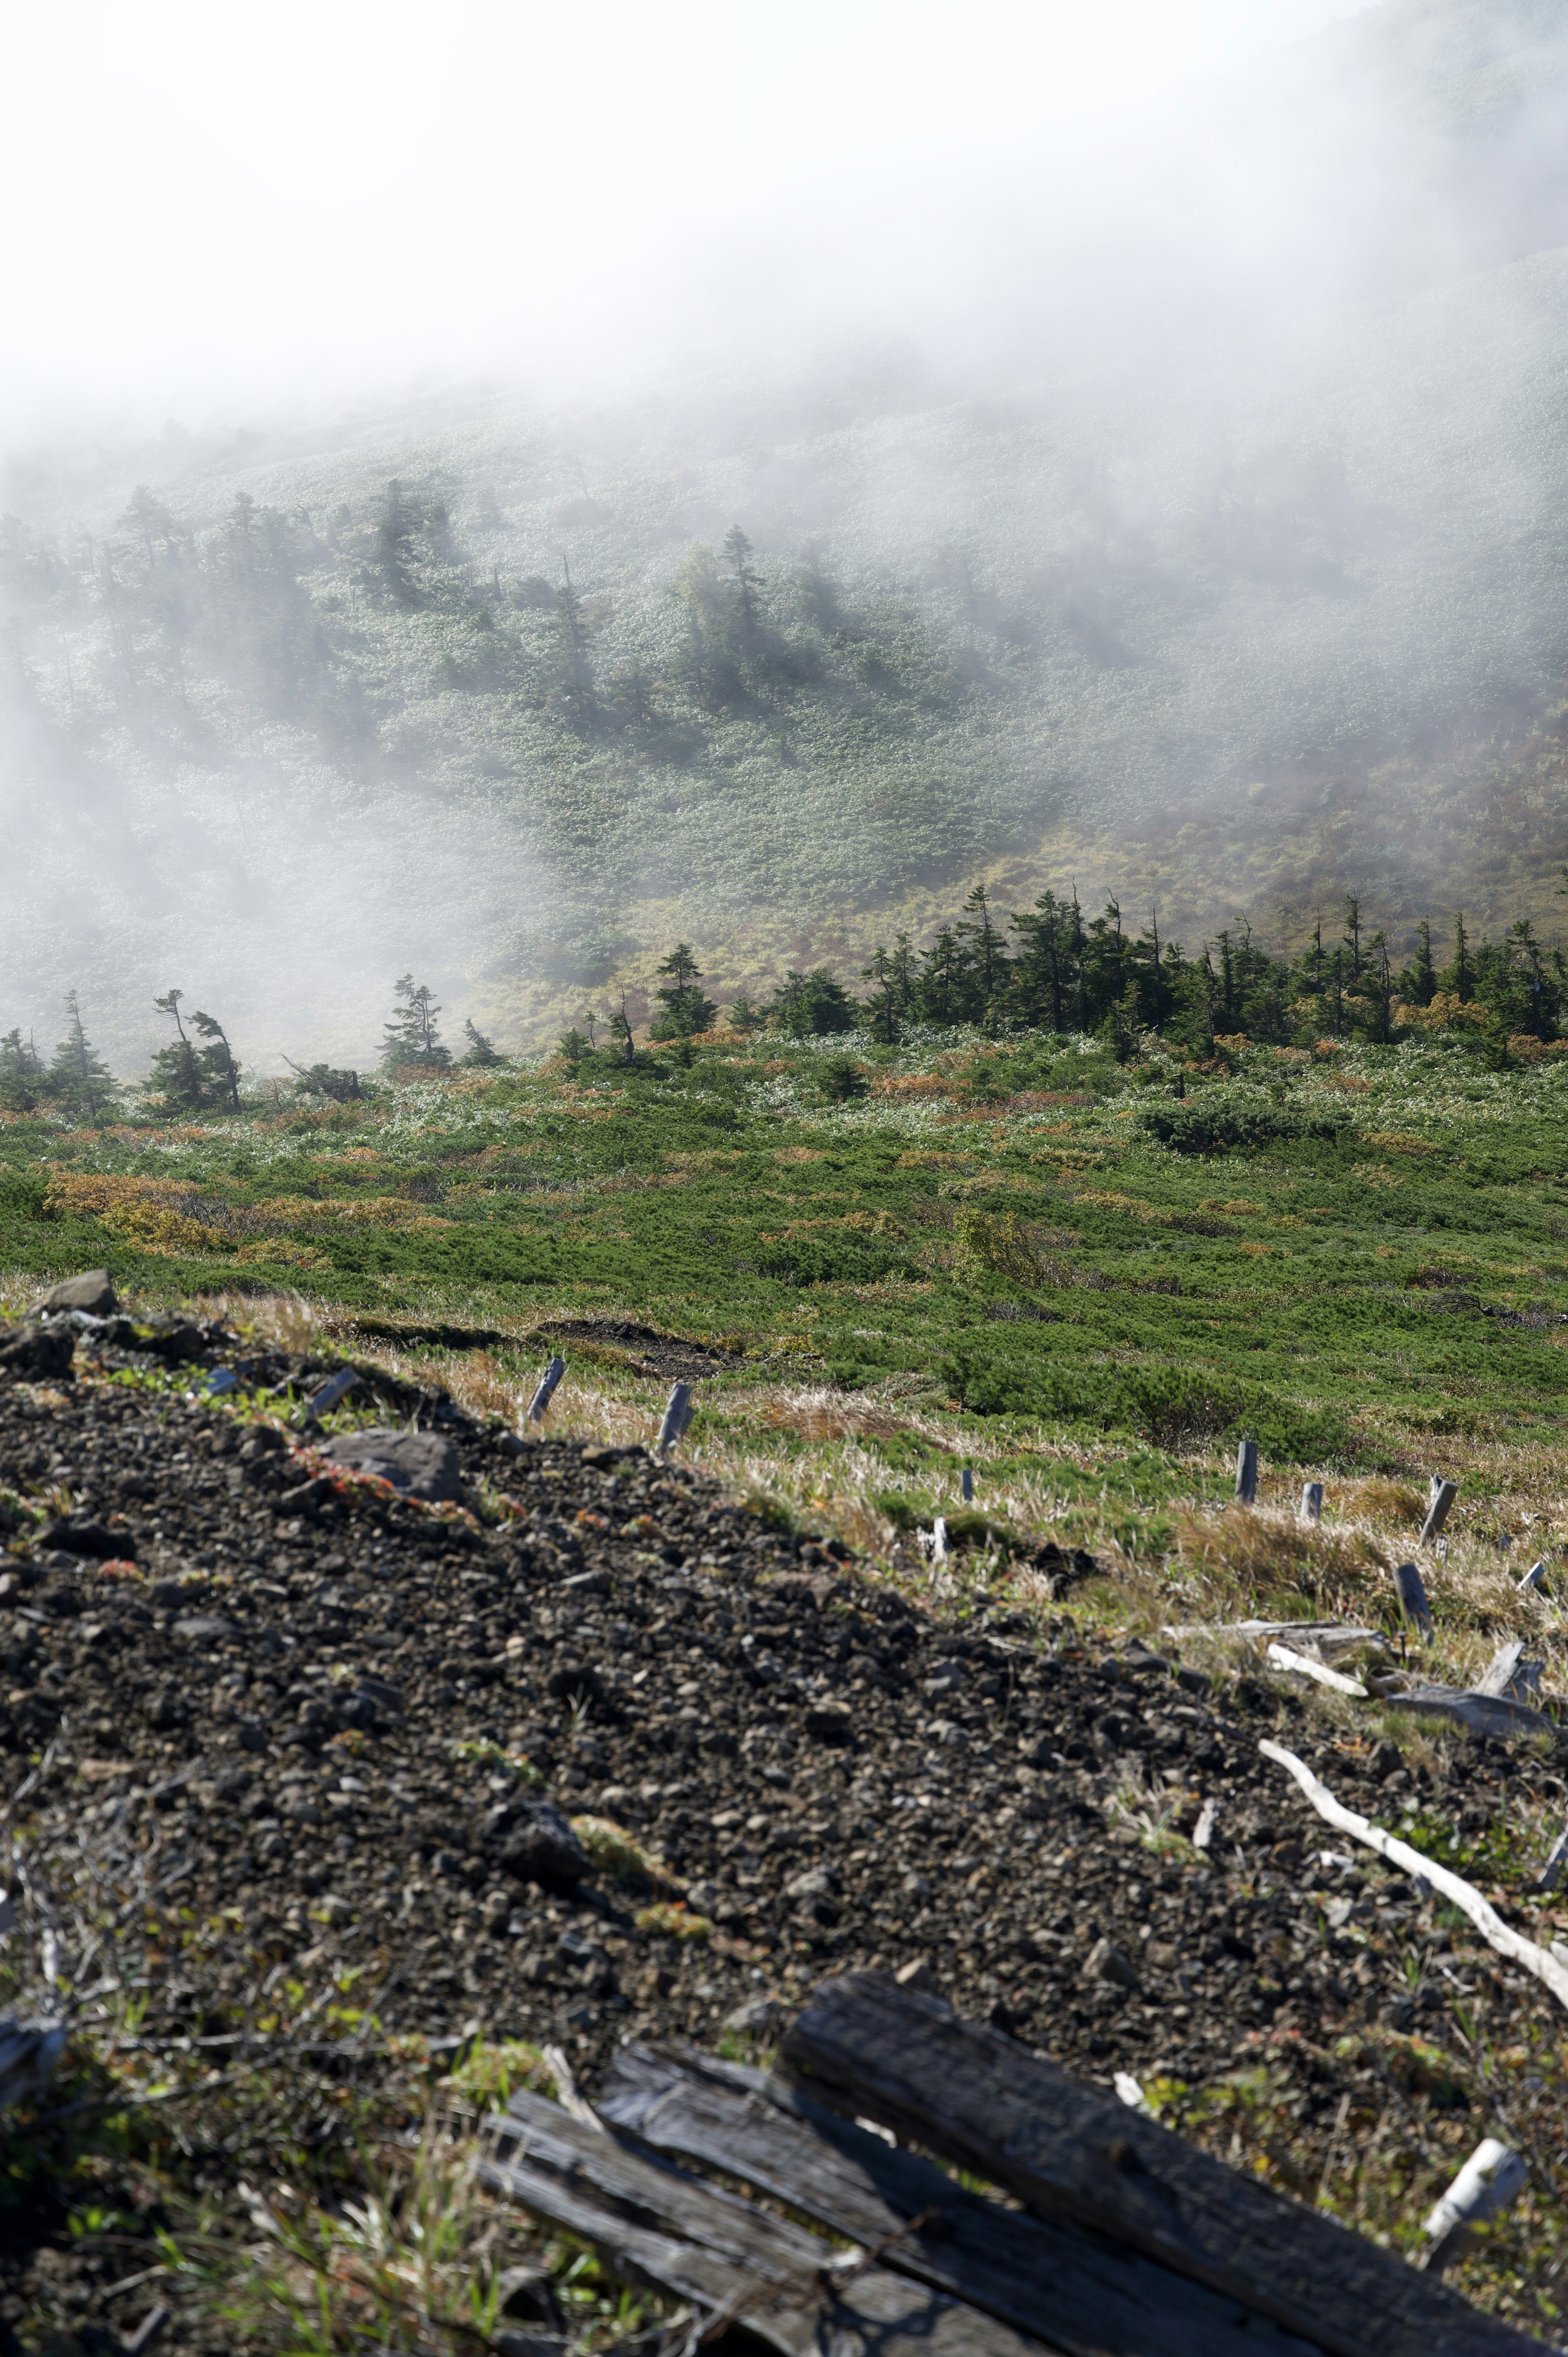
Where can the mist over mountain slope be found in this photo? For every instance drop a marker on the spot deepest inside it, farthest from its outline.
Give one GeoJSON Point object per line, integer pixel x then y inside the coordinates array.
{"type": "Point", "coordinates": [477, 685]}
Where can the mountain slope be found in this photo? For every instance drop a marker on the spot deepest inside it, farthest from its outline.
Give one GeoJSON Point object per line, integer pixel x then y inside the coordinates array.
{"type": "Point", "coordinates": [271, 718]}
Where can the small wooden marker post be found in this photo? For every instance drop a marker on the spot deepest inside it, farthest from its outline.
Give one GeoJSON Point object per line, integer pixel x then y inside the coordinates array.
{"type": "Point", "coordinates": [1443, 1496]}
{"type": "Point", "coordinates": [1311, 1501]}
{"type": "Point", "coordinates": [677, 1416]}
{"type": "Point", "coordinates": [1203, 1832]}
{"type": "Point", "coordinates": [1535, 1577]}
{"type": "Point", "coordinates": [966, 1485]}
{"type": "Point", "coordinates": [541, 1398]}
{"type": "Point", "coordinates": [939, 1540]}
{"type": "Point", "coordinates": [1556, 1858]}
{"type": "Point", "coordinates": [1413, 1597]}
{"type": "Point", "coordinates": [1247, 1472]}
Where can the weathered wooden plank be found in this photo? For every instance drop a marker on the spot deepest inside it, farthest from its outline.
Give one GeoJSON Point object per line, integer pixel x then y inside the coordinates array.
{"type": "Point", "coordinates": [1072, 2152]}
{"type": "Point", "coordinates": [655, 2223]}
{"type": "Point", "coordinates": [1080, 2293]}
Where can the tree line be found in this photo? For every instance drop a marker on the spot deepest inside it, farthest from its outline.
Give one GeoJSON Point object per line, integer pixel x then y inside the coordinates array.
{"type": "Point", "coordinates": [1048, 968]}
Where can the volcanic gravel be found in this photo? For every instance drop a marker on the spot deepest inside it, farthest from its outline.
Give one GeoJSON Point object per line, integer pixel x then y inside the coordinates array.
{"type": "Point", "coordinates": [293, 1702]}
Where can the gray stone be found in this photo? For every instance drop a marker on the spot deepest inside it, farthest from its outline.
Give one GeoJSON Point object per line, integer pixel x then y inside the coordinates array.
{"type": "Point", "coordinates": [816, 1882]}
{"type": "Point", "coordinates": [1107, 1962]}
{"type": "Point", "coordinates": [93, 1291]}
{"type": "Point", "coordinates": [37, 1350]}
{"type": "Point", "coordinates": [418, 1464]}
{"type": "Point", "coordinates": [204, 1626]}
{"type": "Point", "coordinates": [756, 2019]}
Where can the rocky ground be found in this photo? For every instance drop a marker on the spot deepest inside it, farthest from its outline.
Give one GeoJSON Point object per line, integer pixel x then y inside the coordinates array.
{"type": "Point", "coordinates": [584, 1750]}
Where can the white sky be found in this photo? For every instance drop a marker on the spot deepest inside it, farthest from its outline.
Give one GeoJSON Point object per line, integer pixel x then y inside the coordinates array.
{"type": "Point", "coordinates": [212, 205]}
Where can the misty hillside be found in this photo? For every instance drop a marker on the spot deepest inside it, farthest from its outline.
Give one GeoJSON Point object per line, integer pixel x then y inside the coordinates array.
{"type": "Point", "coordinates": [515, 694]}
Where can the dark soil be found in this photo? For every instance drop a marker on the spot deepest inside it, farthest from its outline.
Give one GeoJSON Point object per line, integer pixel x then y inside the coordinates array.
{"type": "Point", "coordinates": [264, 1709]}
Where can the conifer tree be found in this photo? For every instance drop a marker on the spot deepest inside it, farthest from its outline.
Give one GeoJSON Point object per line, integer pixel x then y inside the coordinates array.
{"type": "Point", "coordinates": [686, 1007]}
{"type": "Point", "coordinates": [481, 1051]}
{"type": "Point", "coordinates": [1424, 975]}
{"type": "Point", "coordinates": [748, 584]}
{"type": "Point", "coordinates": [882, 1006]}
{"type": "Point", "coordinates": [412, 1036]}
{"type": "Point", "coordinates": [79, 1078]}
{"type": "Point", "coordinates": [24, 1082]}
{"type": "Point", "coordinates": [217, 1062]}
{"type": "Point", "coordinates": [1461, 972]}
{"type": "Point", "coordinates": [176, 1075]}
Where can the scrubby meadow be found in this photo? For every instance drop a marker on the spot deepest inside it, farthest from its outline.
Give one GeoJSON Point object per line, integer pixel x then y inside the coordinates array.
{"type": "Point", "coordinates": [1015, 1254]}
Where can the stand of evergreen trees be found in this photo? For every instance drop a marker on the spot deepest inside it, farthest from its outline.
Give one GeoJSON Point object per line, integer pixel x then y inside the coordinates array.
{"type": "Point", "coordinates": [1050, 969]}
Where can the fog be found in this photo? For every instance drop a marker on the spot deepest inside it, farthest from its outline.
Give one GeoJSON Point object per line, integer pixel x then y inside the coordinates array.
{"type": "Point", "coordinates": [1220, 340]}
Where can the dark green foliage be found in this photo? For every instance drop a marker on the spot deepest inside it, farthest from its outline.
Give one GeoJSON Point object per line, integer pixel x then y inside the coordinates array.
{"type": "Point", "coordinates": [684, 1008]}
{"type": "Point", "coordinates": [190, 1078]}
{"type": "Point", "coordinates": [24, 1080]}
{"type": "Point", "coordinates": [815, 1003]}
{"type": "Point", "coordinates": [78, 1080]}
{"type": "Point", "coordinates": [1200, 1128]}
{"type": "Point", "coordinates": [481, 1051]}
{"type": "Point", "coordinates": [325, 1080]}
{"type": "Point", "coordinates": [412, 1037]}
{"type": "Point", "coordinates": [840, 1079]}
{"type": "Point", "coordinates": [1173, 1408]}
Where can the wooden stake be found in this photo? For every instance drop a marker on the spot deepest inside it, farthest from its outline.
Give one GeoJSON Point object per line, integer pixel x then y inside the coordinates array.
{"type": "Point", "coordinates": [1413, 1597]}
{"type": "Point", "coordinates": [1443, 1496]}
{"type": "Point", "coordinates": [1311, 1501]}
{"type": "Point", "coordinates": [677, 1416]}
{"type": "Point", "coordinates": [1247, 1472]}
{"type": "Point", "coordinates": [1535, 1577]}
{"type": "Point", "coordinates": [541, 1398]}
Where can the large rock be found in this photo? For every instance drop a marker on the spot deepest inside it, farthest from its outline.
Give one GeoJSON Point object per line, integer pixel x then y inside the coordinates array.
{"type": "Point", "coordinates": [539, 1845]}
{"type": "Point", "coordinates": [93, 1291]}
{"type": "Point", "coordinates": [419, 1464]}
{"type": "Point", "coordinates": [77, 1535]}
{"type": "Point", "coordinates": [37, 1350]}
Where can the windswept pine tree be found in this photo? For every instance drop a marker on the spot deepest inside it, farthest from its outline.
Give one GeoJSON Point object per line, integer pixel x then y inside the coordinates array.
{"type": "Point", "coordinates": [481, 1051]}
